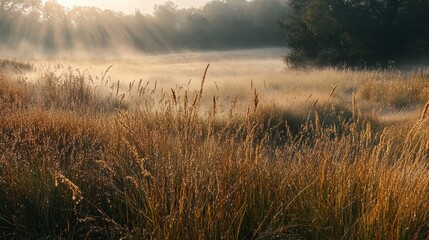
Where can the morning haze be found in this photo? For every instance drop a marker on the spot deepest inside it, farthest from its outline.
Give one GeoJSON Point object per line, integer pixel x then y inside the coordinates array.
{"type": "Point", "coordinates": [50, 28]}
{"type": "Point", "coordinates": [220, 119]}
{"type": "Point", "coordinates": [129, 6]}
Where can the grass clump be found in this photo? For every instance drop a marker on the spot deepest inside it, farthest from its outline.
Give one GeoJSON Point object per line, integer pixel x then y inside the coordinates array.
{"type": "Point", "coordinates": [398, 91]}
{"type": "Point", "coordinates": [15, 66]}
{"type": "Point", "coordinates": [13, 94]}
{"type": "Point", "coordinates": [74, 90]}
{"type": "Point", "coordinates": [170, 168]}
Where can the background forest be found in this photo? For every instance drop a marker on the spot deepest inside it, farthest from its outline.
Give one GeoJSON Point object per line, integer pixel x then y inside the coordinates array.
{"type": "Point", "coordinates": [219, 25]}
{"type": "Point", "coordinates": [317, 32]}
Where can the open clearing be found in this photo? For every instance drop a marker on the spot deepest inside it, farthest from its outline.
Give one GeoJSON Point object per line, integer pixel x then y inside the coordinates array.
{"type": "Point", "coordinates": [237, 74]}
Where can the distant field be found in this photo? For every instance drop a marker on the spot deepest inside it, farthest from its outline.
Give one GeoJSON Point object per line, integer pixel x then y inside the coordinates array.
{"type": "Point", "coordinates": [390, 95]}
{"type": "Point", "coordinates": [242, 149]}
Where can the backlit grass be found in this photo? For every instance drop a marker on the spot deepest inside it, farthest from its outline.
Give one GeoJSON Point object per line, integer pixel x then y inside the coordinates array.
{"type": "Point", "coordinates": [77, 162]}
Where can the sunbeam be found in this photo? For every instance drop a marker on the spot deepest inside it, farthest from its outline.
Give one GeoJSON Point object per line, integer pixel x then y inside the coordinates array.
{"type": "Point", "coordinates": [68, 28]}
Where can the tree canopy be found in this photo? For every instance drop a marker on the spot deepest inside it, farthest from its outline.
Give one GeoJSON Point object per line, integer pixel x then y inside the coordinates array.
{"type": "Point", "coordinates": [48, 27]}
{"type": "Point", "coordinates": [357, 32]}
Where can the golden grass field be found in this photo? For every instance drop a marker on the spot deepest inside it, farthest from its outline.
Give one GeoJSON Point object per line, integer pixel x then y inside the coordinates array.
{"type": "Point", "coordinates": [161, 147]}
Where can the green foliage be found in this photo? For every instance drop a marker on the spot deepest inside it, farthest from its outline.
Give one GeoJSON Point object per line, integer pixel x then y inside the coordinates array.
{"type": "Point", "coordinates": [357, 32]}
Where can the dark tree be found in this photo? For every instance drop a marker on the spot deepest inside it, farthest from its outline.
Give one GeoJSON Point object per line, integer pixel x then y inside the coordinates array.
{"type": "Point", "coordinates": [357, 32]}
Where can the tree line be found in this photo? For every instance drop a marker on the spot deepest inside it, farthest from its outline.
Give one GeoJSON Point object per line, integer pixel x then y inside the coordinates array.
{"type": "Point", "coordinates": [357, 32]}
{"type": "Point", "coordinates": [318, 33]}
{"type": "Point", "coordinates": [220, 24]}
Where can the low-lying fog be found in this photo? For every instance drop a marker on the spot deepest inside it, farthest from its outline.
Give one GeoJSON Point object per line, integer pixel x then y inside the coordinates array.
{"type": "Point", "coordinates": [231, 75]}
{"type": "Point", "coordinates": [177, 68]}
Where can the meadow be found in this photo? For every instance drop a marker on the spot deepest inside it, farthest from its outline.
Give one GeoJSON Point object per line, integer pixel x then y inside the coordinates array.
{"type": "Point", "coordinates": [169, 147]}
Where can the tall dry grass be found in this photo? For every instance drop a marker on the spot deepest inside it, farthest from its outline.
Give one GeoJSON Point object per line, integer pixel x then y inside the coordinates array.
{"type": "Point", "coordinates": [396, 89]}
{"type": "Point", "coordinates": [76, 164]}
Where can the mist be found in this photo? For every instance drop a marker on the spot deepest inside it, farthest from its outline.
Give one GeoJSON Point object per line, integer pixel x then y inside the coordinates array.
{"type": "Point", "coordinates": [35, 28]}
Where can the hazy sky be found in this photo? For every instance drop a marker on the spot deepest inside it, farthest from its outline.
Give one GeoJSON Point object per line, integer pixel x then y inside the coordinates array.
{"type": "Point", "coordinates": [128, 6]}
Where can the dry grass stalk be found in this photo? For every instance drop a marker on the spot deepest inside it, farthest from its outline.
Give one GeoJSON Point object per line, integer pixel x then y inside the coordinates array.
{"type": "Point", "coordinates": [203, 81]}
{"type": "Point", "coordinates": [425, 112]}
{"type": "Point", "coordinates": [333, 91]}
{"type": "Point", "coordinates": [76, 192]}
